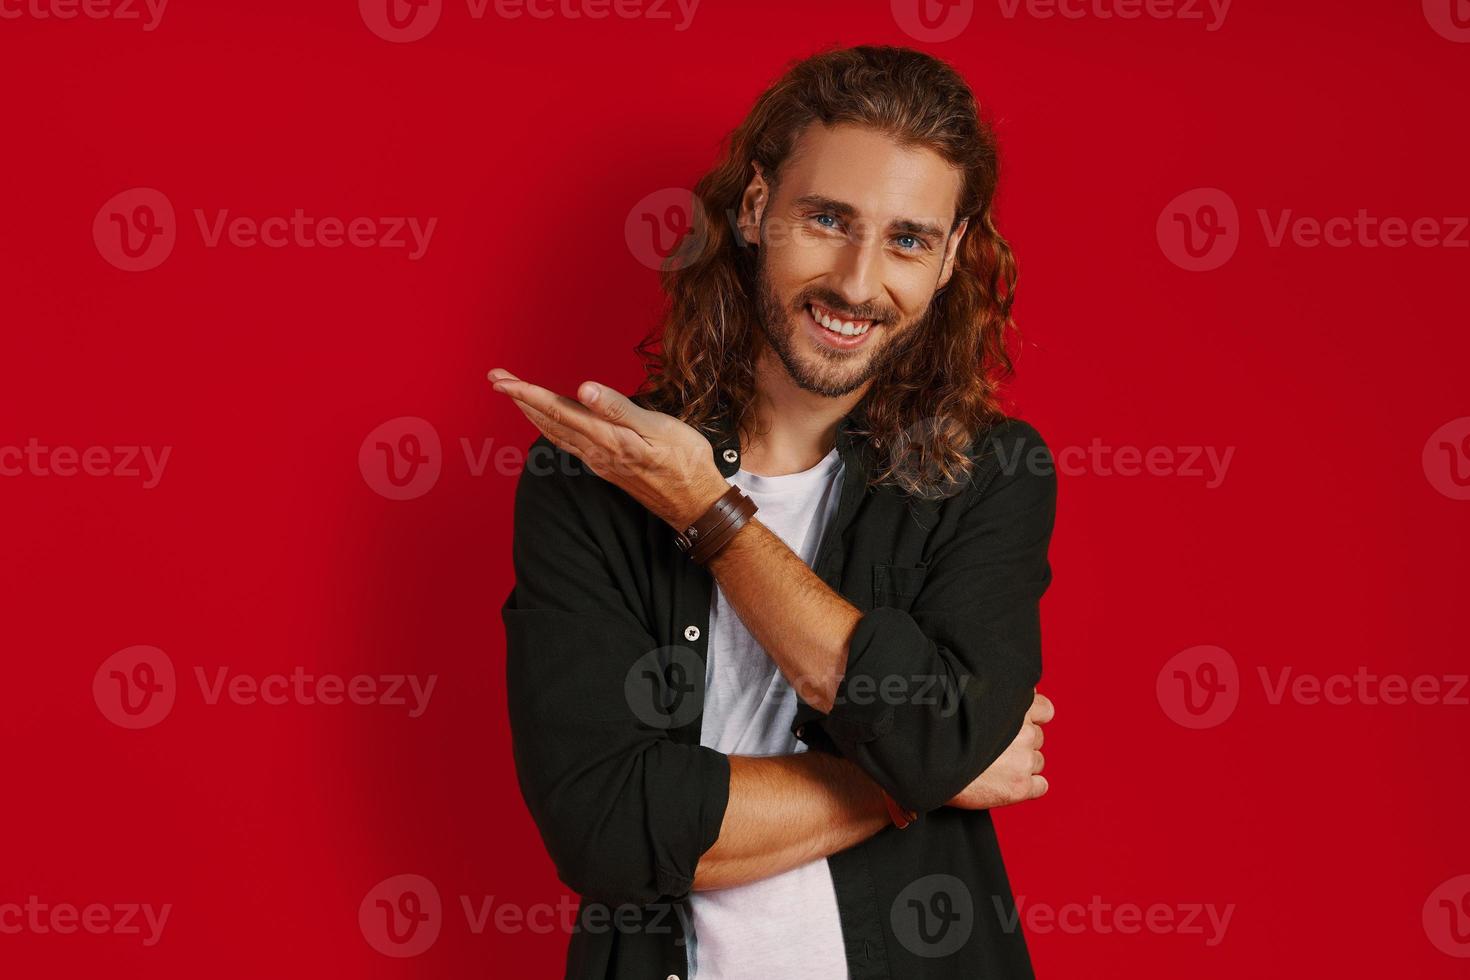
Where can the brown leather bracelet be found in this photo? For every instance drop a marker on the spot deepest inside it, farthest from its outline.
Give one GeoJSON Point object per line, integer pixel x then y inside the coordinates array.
{"type": "Point", "coordinates": [703, 539]}
{"type": "Point", "coordinates": [717, 514]}
{"type": "Point", "coordinates": [738, 508]}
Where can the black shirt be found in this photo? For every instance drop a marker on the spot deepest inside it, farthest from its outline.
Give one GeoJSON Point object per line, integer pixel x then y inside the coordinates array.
{"type": "Point", "coordinates": [606, 631]}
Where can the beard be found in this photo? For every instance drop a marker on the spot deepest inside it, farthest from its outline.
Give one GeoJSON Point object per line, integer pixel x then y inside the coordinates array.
{"type": "Point", "coordinates": [824, 370]}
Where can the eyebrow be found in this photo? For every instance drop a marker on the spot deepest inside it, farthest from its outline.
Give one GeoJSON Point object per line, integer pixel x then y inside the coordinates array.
{"type": "Point", "coordinates": [842, 209]}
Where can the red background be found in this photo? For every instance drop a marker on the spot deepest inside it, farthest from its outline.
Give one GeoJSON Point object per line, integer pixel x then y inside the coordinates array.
{"type": "Point", "coordinates": [1326, 548]}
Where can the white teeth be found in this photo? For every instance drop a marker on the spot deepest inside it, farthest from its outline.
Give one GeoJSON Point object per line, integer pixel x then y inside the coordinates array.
{"type": "Point", "coordinates": [846, 328]}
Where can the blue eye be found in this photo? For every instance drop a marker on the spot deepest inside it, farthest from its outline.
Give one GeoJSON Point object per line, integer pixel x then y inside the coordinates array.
{"type": "Point", "coordinates": [917, 243]}
{"type": "Point", "coordinates": [825, 215]}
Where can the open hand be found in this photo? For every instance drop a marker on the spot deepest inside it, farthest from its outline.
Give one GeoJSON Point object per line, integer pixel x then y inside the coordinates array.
{"type": "Point", "coordinates": [663, 463]}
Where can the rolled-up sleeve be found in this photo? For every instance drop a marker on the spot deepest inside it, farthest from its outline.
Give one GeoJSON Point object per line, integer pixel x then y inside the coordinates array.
{"type": "Point", "coordinates": [624, 810]}
{"type": "Point", "coordinates": [933, 695]}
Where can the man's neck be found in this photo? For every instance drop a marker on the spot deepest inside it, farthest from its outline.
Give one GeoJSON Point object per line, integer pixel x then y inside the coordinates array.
{"type": "Point", "coordinates": [796, 428]}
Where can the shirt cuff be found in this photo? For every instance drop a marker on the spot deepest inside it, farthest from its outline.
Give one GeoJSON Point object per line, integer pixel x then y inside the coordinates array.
{"type": "Point", "coordinates": [675, 856]}
{"type": "Point", "coordinates": [886, 643]}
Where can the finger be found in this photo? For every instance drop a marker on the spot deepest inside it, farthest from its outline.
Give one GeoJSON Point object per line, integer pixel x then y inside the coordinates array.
{"type": "Point", "coordinates": [1042, 710]}
{"type": "Point", "coordinates": [603, 460]}
{"type": "Point", "coordinates": [1039, 786]}
{"type": "Point", "coordinates": [554, 426]}
{"type": "Point", "coordinates": [1037, 735]}
{"type": "Point", "coordinates": [560, 409]}
{"type": "Point", "coordinates": [561, 436]}
{"type": "Point", "coordinates": [619, 409]}
{"type": "Point", "coordinates": [1038, 762]}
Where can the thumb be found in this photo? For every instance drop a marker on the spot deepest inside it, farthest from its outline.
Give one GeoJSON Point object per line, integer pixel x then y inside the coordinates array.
{"type": "Point", "coordinates": [616, 407]}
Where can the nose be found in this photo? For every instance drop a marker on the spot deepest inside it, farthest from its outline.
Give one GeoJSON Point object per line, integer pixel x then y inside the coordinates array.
{"type": "Point", "coordinates": [857, 272]}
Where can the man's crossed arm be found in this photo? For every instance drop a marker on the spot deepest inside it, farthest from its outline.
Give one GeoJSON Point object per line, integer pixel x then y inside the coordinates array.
{"type": "Point", "coordinates": [980, 601]}
{"type": "Point", "coordinates": [787, 810]}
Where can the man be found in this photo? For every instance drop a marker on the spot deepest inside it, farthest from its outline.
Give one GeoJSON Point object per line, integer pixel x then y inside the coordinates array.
{"type": "Point", "coordinates": [765, 743]}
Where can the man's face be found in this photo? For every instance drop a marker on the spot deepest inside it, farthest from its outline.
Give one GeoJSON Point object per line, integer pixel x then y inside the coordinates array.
{"type": "Point", "coordinates": [857, 232]}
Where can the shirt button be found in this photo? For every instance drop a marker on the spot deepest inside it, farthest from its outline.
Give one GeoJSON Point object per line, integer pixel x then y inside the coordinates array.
{"type": "Point", "coordinates": [731, 455]}
{"type": "Point", "coordinates": [691, 633]}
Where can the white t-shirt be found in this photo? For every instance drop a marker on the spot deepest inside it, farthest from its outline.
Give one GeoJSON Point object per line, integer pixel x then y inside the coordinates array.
{"type": "Point", "coordinates": [786, 925]}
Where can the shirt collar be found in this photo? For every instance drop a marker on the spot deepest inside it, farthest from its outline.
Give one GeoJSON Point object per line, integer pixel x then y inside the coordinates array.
{"type": "Point", "coordinates": [726, 444]}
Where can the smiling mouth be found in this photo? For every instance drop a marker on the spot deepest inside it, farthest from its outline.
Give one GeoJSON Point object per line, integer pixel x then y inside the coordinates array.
{"type": "Point", "coordinates": [836, 324]}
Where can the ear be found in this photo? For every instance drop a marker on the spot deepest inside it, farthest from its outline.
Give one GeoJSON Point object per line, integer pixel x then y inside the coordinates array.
{"type": "Point", "coordinates": [753, 204]}
{"type": "Point", "coordinates": [950, 250]}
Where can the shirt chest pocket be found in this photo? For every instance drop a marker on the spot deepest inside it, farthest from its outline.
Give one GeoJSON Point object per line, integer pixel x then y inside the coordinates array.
{"type": "Point", "coordinates": [897, 585]}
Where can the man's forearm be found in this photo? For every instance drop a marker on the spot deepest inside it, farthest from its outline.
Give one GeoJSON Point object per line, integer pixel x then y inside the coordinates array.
{"type": "Point", "coordinates": [787, 810]}
{"type": "Point", "coordinates": [801, 623]}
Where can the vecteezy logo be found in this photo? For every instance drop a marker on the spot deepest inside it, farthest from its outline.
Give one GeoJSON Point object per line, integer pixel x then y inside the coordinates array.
{"type": "Point", "coordinates": [1449, 18]}
{"type": "Point", "coordinates": [933, 916]}
{"type": "Point", "coordinates": [1199, 230]}
{"type": "Point", "coordinates": [135, 230]}
{"type": "Point", "coordinates": [1447, 917]}
{"type": "Point", "coordinates": [666, 229]}
{"type": "Point", "coordinates": [932, 20]}
{"type": "Point", "coordinates": [135, 687]}
{"type": "Point", "coordinates": [1199, 687]}
{"type": "Point", "coordinates": [400, 21]}
{"type": "Point", "coordinates": [665, 687]}
{"type": "Point", "coordinates": [401, 458]}
{"type": "Point", "coordinates": [401, 915]}
{"type": "Point", "coordinates": [1447, 459]}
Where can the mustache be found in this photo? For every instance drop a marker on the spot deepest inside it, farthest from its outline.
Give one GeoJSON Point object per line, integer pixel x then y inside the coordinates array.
{"type": "Point", "coordinates": [841, 313]}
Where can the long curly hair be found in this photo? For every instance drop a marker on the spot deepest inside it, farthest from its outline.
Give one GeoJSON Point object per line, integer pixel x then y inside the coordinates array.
{"type": "Point", "coordinates": [929, 407]}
